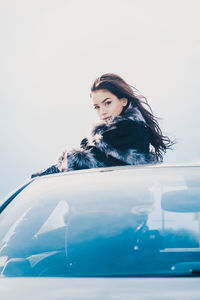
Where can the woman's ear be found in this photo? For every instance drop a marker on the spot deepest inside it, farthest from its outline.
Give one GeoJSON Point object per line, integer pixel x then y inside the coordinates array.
{"type": "Point", "coordinates": [124, 101]}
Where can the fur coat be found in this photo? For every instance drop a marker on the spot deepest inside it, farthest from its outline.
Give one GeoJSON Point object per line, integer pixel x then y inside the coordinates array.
{"type": "Point", "coordinates": [124, 140]}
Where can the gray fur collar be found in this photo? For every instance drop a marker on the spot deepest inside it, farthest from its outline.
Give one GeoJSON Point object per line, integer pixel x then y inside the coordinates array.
{"type": "Point", "coordinates": [131, 113]}
{"type": "Point", "coordinates": [129, 156]}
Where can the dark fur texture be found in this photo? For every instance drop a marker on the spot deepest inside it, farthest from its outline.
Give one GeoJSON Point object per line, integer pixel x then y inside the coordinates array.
{"type": "Point", "coordinates": [124, 140]}
{"type": "Point", "coordinates": [95, 151]}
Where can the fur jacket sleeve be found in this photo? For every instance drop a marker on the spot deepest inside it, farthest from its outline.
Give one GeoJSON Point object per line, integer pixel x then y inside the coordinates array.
{"type": "Point", "coordinates": [124, 140]}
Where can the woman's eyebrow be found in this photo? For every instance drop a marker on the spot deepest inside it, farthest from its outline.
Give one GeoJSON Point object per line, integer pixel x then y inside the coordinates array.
{"type": "Point", "coordinates": [105, 99]}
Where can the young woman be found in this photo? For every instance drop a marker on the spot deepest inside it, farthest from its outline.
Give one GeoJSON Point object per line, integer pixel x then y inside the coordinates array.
{"type": "Point", "coordinates": [128, 134]}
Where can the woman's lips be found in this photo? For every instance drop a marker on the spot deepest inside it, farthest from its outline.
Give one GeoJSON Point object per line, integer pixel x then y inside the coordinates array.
{"type": "Point", "coordinates": [106, 119]}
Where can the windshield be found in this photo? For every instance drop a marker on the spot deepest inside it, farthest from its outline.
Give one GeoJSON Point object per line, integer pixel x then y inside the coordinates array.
{"type": "Point", "coordinates": [105, 224]}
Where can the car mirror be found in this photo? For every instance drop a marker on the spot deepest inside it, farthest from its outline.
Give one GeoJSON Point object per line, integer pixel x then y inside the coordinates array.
{"type": "Point", "coordinates": [182, 200]}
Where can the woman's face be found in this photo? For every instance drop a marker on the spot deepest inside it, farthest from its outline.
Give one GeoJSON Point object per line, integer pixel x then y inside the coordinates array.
{"type": "Point", "coordinates": [107, 104]}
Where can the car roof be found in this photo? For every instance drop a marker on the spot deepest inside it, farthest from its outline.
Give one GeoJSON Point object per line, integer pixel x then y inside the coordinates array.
{"type": "Point", "coordinates": [120, 168]}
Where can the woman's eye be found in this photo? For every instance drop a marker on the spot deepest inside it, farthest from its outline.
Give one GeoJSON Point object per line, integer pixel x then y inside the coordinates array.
{"type": "Point", "coordinates": [108, 102]}
{"type": "Point", "coordinates": [96, 107]}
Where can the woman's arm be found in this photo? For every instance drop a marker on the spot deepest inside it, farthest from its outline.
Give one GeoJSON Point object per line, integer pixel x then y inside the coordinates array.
{"type": "Point", "coordinates": [51, 170]}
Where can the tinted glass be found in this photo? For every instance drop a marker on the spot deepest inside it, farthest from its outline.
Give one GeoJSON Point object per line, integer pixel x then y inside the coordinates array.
{"type": "Point", "coordinates": [144, 221]}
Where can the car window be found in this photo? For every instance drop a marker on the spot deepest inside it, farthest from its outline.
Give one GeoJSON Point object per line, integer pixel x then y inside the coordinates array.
{"type": "Point", "coordinates": [97, 226]}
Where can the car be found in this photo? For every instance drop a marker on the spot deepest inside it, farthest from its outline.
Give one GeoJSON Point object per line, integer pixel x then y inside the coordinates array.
{"type": "Point", "coordinates": [130, 232]}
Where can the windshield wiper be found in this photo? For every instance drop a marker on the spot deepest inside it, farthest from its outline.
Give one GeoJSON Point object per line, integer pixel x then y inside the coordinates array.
{"type": "Point", "coordinates": [195, 272]}
{"type": "Point", "coordinates": [189, 268]}
{"type": "Point", "coordinates": [141, 275]}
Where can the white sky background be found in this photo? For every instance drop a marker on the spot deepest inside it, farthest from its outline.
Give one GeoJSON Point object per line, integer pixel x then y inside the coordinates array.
{"type": "Point", "coordinates": [52, 50]}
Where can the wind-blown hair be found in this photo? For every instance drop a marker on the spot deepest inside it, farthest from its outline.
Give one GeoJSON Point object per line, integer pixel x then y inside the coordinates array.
{"type": "Point", "coordinates": [117, 86]}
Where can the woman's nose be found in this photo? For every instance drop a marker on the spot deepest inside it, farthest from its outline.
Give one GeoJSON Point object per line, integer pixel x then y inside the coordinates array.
{"type": "Point", "coordinates": [103, 111]}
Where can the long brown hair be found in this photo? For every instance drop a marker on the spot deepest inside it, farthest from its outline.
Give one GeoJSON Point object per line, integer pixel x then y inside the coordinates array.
{"type": "Point", "coordinates": [117, 86]}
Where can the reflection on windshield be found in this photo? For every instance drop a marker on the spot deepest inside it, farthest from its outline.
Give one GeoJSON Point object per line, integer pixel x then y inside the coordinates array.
{"type": "Point", "coordinates": [153, 230]}
{"type": "Point", "coordinates": [55, 219]}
